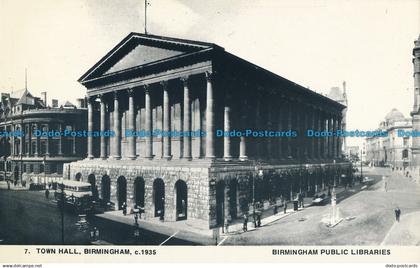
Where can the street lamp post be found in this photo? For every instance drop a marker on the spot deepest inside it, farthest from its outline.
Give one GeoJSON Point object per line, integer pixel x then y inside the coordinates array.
{"type": "Point", "coordinates": [45, 173]}
{"type": "Point", "coordinates": [62, 212]}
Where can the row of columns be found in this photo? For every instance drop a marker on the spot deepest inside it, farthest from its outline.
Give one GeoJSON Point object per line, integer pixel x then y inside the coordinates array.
{"type": "Point", "coordinates": [287, 118]}
{"type": "Point", "coordinates": [28, 139]}
{"type": "Point", "coordinates": [292, 147]}
{"type": "Point", "coordinates": [116, 142]}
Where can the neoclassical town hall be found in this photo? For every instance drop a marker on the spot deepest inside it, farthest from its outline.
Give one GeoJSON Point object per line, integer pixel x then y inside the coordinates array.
{"type": "Point", "coordinates": [148, 83]}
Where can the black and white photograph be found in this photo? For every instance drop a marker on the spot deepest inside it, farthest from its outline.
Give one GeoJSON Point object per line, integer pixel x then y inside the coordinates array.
{"type": "Point", "coordinates": [210, 123]}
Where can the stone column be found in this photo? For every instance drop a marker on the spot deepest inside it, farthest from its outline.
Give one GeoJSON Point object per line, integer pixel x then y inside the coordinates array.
{"type": "Point", "coordinates": [318, 128]}
{"type": "Point", "coordinates": [90, 129]}
{"type": "Point", "coordinates": [269, 140]}
{"type": "Point", "coordinates": [256, 141]}
{"type": "Point", "coordinates": [148, 123]}
{"type": "Point", "coordinates": [167, 152]}
{"type": "Point", "coordinates": [289, 127]}
{"type": "Point", "coordinates": [36, 142]}
{"type": "Point", "coordinates": [330, 139]}
{"type": "Point", "coordinates": [334, 141]}
{"type": "Point", "coordinates": [60, 140]}
{"type": "Point", "coordinates": [210, 118]}
{"type": "Point", "coordinates": [200, 138]}
{"type": "Point", "coordinates": [47, 143]}
{"type": "Point", "coordinates": [117, 128]}
{"type": "Point", "coordinates": [29, 140]}
{"type": "Point", "coordinates": [21, 141]}
{"type": "Point", "coordinates": [324, 140]}
{"type": "Point", "coordinates": [306, 144]}
{"type": "Point", "coordinates": [242, 140]}
{"type": "Point", "coordinates": [280, 140]}
{"type": "Point", "coordinates": [339, 140]}
{"type": "Point", "coordinates": [103, 126]}
{"type": "Point", "coordinates": [131, 125]}
{"type": "Point", "coordinates": [74, 151]}
{"type": "Point", "coordinates": [313, 140]}
{"type": "Point", "coordinates": [226, 139]}
{"type": "Point", "coordinates": [187, 119]}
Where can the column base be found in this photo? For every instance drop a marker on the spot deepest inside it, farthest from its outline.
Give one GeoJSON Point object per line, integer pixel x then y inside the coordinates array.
{"type": "Point", "coordinates": [227, 158]}
{"type": "Point", "coordinates": [167, 157]}
{"type": "Point", "coordinates": [90, 157]}
{"type": "Point", "coordinates": [189, 158]}
{"type": "Point", "coordinates": [132, 157]}
{"type": "Point", "coordinates": [116, 157]}
{"type": "Point", "coordinates": [103, 157]}
{"type": "Point", "coordinates": [243, 158]}
{"type": "Point", "coordinates": [148, 157]}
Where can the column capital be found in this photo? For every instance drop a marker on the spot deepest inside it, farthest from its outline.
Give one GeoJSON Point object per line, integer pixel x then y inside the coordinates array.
{"type": "Point", "coordinates": [184, 80]}
{"type": "Point", "coordinates": [146, 89]}
{"type": "Point", "coordinates": [164, 84]}
{"type": "Point", "coordinates": [115, 95]}
{"type": "Point", "coordinates": [209, 76]}
{"type": "Point", "coordinates": [130, 92]}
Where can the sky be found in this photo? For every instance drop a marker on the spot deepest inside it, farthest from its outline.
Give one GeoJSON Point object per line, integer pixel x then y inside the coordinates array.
{"type": "Point", "coordinates": [315, 43]}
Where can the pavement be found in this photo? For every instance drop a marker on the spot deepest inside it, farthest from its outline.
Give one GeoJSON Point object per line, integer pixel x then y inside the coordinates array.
{"type": "Point", "coordinates": [367, 217]}
{"type": "Point", "coordinates": [404, 232]}
{"type": "Point", "coordinates": [18, 187]}
{"type": "Point", "coordinates": [197, 231]}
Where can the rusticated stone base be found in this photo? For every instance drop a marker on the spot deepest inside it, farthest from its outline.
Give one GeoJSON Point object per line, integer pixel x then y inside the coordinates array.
{"type": "Point", "coordinates": [215, 190]}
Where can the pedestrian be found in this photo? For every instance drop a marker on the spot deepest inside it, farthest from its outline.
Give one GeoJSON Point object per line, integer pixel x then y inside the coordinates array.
{"type": "Point", "coordinates": [124, 208]}
{"type": "Point", "coordinates": [92, 235]}
{"type": "Point", "coordinates": [96, 235]}
{"type": "Point", "coordinates": [285, 207]}
{"type": "Point", "coordinates": [275, 209]}
{"type": "Point", "coordinates": [8, 185]}
{"type": "Point", "coordinates": [47, 194]}
{"type": "Point", "coordinates": [258, 218]}
{"type": "Point", "coordinates": [226, 225]}
{"type": "Point", "coordinates": [245, 227]}
{"type": "Point", "coordinates": [301, 200]}
{"type": "Point", "coordinates": [397, 214]}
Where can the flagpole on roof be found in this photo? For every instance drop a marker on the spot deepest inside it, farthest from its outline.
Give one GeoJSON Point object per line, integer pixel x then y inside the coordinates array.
{"type": "Point", "coordinates": [26, 79]}
{"type": "Point", "coordinates": [145, 16]}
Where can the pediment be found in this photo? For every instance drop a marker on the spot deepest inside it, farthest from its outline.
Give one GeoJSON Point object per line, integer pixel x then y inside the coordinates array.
{"type": "Point", "coordinates": [139, 50]}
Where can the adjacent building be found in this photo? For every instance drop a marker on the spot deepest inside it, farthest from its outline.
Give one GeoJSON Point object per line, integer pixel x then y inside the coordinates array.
{"type": "Point", "coordinates": [394, 150]}
{"type": "Point", "coordinates": [340, 96]}
{"type": "Point", "coordinates": [27, 156]}
{"type": "Point", "coordinates": [415, 114]}
{"type": "Point", "coordinates": [148, 85]}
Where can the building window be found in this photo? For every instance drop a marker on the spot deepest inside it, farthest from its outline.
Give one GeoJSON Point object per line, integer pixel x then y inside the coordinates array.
{"type": "Point", "coordinates": [31, 168]}
{"type": "Point", "coordinates": [405, 141]}
{"type": "Point", "coordinates": [405, 154]}
{"type": "Point", "coordinates": [53, 168]}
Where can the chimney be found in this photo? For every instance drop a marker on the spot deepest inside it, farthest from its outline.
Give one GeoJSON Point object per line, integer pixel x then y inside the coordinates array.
{"type": "Point", "coordinates": [79, 103]}
{"type": "Point", "coordinates": [44, 98]}
{"type": "Point", "coordinates": [54, 103]}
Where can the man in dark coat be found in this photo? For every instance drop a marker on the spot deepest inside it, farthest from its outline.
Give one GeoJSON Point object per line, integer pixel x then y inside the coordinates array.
{"type": "Point", "coordinates": [245, 227]}
{"type": "Point", "coordinates": [397, 214]}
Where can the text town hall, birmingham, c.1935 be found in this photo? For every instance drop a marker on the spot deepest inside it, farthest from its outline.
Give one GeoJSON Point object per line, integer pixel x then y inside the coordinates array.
{"type": "Point", "coordinates": [149, 83]}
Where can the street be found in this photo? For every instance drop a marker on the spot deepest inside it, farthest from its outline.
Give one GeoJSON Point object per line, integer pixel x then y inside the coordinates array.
{"type": "Point", "coordinates": [26, 217]}
{"type": "Point", "coordinates": [368, 217]}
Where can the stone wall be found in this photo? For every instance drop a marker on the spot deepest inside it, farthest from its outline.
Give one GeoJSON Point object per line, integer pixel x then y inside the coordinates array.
{"type": "Point", "coordinates": [203, 181]}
